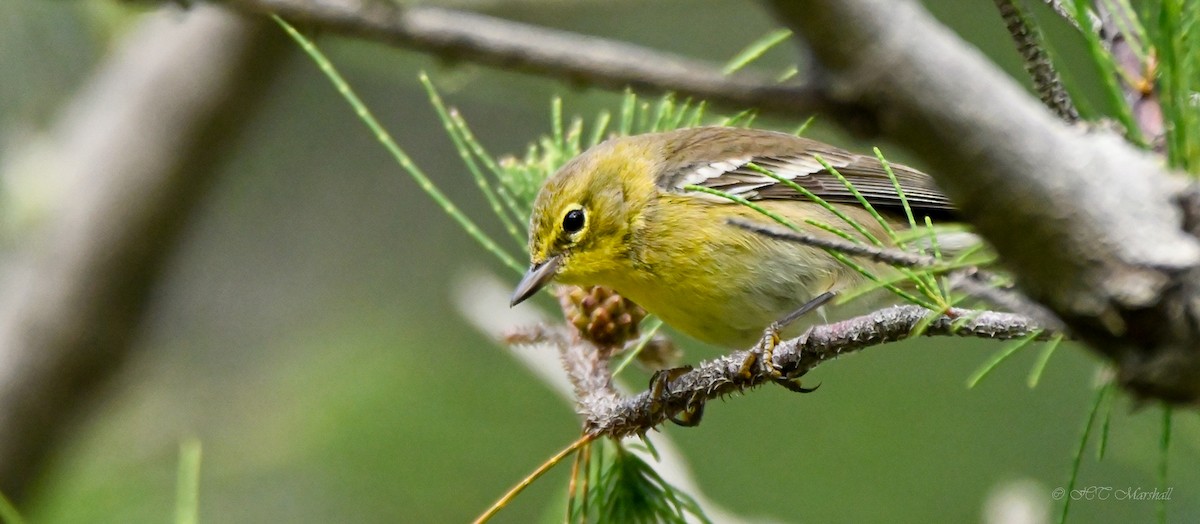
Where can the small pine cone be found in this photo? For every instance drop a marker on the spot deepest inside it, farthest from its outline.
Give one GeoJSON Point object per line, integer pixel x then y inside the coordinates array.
{"type": "Point", "coordinates": [601, 315]}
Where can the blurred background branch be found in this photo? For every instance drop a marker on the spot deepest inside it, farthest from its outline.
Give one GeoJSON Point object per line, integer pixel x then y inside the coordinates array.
{"type": "Point", "coordinates": [133, 153]}
{"type": "Point", "coordinates": [574, 58]}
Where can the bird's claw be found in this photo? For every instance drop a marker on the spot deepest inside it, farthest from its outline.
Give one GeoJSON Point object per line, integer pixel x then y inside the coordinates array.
{"type": "Point", "coordinates": [764, 351]}
{"type": "Point", "coordinates": [793, 384]}
{"type": "Point", "coordinates": [660, 390]}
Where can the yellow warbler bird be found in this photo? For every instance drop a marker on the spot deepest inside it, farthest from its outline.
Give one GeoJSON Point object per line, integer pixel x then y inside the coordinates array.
{"type": "Point", "coordinates": [621, 215]}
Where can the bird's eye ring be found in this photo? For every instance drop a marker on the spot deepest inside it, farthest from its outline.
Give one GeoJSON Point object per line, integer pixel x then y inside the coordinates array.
{"type": "Point", "coordinates": [573, 221]}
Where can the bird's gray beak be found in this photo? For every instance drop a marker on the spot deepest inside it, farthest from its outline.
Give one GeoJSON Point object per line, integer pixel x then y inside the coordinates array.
{"type": "Point", "coordinates": [536, 278]}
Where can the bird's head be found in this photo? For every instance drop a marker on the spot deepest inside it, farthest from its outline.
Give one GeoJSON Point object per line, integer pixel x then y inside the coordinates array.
{"type": "Point", "coordinates": [585, 217]}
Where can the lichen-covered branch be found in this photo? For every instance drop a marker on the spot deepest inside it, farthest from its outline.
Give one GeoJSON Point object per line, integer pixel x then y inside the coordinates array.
{"type": "Point", "coordinates": [607, 413]}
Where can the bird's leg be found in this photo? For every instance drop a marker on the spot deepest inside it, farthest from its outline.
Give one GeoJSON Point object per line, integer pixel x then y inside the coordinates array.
{"type": "Point", "coordinates": [660, 389]}
{"type": "Point", "coordinates": [765, 349]}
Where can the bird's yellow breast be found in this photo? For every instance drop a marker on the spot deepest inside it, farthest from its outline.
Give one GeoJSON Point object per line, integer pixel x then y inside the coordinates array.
{"type": "Point", "coordinates": [716, 282]}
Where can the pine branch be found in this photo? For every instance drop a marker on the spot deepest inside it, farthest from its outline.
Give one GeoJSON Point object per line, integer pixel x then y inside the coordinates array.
{"type": "Point", "coordinates": [981, 285]}
{"type": "Point", "coordinates": [608, 413]}
{"type": "Point", "coordinates": [891, 256]}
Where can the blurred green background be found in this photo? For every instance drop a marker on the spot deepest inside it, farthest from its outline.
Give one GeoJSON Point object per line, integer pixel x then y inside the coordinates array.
{"type": "Point", "coordinates": [306, 332]}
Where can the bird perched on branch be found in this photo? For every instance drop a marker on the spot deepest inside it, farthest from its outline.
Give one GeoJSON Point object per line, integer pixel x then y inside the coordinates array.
{"type": "Point", "coordinates": [650, 216]}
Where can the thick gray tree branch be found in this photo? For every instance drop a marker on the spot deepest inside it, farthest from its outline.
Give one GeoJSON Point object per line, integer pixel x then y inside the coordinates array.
{"type": "Point", "coordinates": [575, 58]}
{"type": "Point", "coordinates": [1089, 224]}
{"type": "Point", "coordinates": [606, 412]}
{"type": "Point", "coordinates": [132, 155]}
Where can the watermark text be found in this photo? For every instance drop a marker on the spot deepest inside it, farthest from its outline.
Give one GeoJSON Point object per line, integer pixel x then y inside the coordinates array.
{"type": "Point", "coordinates": [1117, 493]}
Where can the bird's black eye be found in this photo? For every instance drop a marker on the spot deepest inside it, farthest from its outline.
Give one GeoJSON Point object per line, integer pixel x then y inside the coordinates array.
{"type": "Point", "coordinates": [574, 220]}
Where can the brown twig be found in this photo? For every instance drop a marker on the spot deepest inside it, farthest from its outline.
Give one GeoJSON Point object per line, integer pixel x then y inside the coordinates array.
{"type": "Point", "coordinates": [546, 466]}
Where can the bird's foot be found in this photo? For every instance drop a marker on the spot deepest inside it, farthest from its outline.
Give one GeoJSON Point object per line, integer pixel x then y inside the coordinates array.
{"type": "Point", "coordinates": [764, 351]}
{"type": "Point", "coordinates": [660, 390]}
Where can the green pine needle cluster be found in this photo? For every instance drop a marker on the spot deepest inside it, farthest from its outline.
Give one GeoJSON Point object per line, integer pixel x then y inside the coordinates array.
{"type": "Point", "coordinates": [620, 486]}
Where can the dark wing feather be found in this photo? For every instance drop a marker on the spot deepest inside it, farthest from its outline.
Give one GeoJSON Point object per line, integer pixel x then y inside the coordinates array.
{"type": "Point", "coordinates": [726, 153]}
